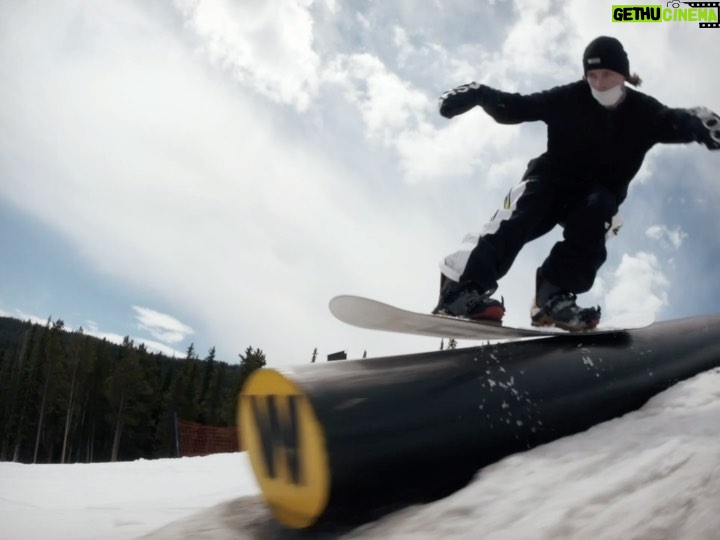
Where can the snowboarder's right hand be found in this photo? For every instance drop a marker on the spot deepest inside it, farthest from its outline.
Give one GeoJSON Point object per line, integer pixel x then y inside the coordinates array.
{"type": "Point", "coordinates": [461, 99]}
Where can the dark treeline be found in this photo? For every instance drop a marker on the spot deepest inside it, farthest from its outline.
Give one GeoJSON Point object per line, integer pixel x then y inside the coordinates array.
{"type": "Point", "coordinates": [67, 397]}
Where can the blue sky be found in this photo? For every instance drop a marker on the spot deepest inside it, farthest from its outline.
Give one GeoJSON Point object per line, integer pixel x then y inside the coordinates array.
{"type": "Point", "coordinates": [214, 172]}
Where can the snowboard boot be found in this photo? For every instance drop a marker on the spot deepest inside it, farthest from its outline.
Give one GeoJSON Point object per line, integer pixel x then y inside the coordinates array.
{"type": "Point", "coordinates": [555, 307]}
{"type": "Point", "coordinates": [466, 300]}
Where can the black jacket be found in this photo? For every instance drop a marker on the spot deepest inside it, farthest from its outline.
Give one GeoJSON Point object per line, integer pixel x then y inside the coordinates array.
{"type": "Point", "coordinates": [588, 144]}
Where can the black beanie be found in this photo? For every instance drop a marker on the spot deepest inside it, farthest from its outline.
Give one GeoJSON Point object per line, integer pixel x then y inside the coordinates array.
{"type": "Point", "coordinates": [606, 53]}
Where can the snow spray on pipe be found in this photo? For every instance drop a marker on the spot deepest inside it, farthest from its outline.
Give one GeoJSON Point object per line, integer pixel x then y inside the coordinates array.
{"type": "Point", "coordinates": [344, 442]}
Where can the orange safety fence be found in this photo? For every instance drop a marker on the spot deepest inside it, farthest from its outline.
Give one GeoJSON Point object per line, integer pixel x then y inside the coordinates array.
{"type": "Point", "coordinates": [200, 440]}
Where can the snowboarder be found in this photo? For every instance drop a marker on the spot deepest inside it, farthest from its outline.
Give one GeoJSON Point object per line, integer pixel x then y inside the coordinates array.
{"type": "Point", "coordinates": [598, 132]}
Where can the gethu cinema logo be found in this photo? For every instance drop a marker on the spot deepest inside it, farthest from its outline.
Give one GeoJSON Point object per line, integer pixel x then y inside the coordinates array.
{"type": "Point", "coordinates": [706, 13]}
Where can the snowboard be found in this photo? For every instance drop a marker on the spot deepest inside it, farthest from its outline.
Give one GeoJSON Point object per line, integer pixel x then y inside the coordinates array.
{"type": "Point", "coordinates": [374, 315]}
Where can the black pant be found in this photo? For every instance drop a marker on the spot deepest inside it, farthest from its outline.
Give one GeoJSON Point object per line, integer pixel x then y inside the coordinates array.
{"type": "Point", "coordinates": [573, 262]}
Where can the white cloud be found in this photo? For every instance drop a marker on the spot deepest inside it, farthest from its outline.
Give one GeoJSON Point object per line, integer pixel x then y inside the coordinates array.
{"type": "Point", "coordinates": [539, 44]}
{"type": "Point", "coordinates": [387, 103]}
{"type": "Point", "coordinates": [267, 43]}
{"type": "Point", "coordinates": [639, 286]}
{"type": "Point", "coordinates": [151, 345]}
{"type": "Point", "coordinates": [671, 237]}
{"type": "Point", "coordinates": [161, 326]}
{"type": "Point", "coordinates": [162, 348]}
{"type": "Point", "coordinates": [402, 42]}
{"type": "Point", "coordinates": [91, 328]}
{"type": "Point", "coordinates": [463, 146]}
{"type": "Point", "coordinates": [23, 316]}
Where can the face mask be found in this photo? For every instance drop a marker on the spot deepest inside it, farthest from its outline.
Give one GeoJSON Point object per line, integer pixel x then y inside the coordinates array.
{"type": "Point", "coordinates": [608, 98]}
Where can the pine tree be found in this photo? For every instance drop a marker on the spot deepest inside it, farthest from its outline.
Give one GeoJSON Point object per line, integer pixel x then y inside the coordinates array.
{"type": "Point", "coordinates": [11, 384]}
{"type": "Point", "coordinates": [205, 386]}
{"type": "Point", "coordinates": [84, 414]}
{"type": "Point", "coordinates": [77, 344]}
{"type": "Point", "coordinates": [125, 390]}
{"type": "Point", "coordinates": [219, 387]}
{"type": "Point", "coordinates": [95, 406]}
{"type": "Point", "coordinates": [51, 364]}
{"type": "Point", "coordinates": [181, 398]}
{"type": "Point", "coordinates": [252, 360]}
{"type": "Point", "coordinates": [30, 385]}
{"type": "Point", "coordinates": [189, 405]}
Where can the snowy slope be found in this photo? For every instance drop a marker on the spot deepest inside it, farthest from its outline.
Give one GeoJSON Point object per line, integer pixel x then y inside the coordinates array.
{"type": "Point", "coordinates": [114, 500]}
{"type": "Point", "coordinates": [653, 474]}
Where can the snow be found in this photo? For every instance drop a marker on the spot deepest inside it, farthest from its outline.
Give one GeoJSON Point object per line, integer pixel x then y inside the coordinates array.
{"type": "Point", "coordinates": [652, 474]}
{"type": "Point", "coordinates": [114, 500]}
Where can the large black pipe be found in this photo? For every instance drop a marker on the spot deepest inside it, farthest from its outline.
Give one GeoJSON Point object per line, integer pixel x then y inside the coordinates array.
{"type": "Point", "coordinates": [340, 441]}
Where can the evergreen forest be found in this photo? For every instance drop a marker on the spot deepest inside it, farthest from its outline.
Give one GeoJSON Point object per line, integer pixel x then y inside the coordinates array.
{"type": "Point", "coordinates": [67, 397]}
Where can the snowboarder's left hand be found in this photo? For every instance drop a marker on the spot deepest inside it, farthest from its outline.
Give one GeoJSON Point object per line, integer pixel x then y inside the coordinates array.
{"type": "Point", "coordinates": [706, 127]}
{"type": "Point", "coordinates": [461, 99]}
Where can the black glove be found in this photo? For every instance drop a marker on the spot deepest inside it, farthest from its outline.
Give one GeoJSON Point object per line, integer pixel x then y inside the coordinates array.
{"type": "Point", "coordinates": [461, 99]}
{"type": "Point", "coordinates": [706, 127]}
